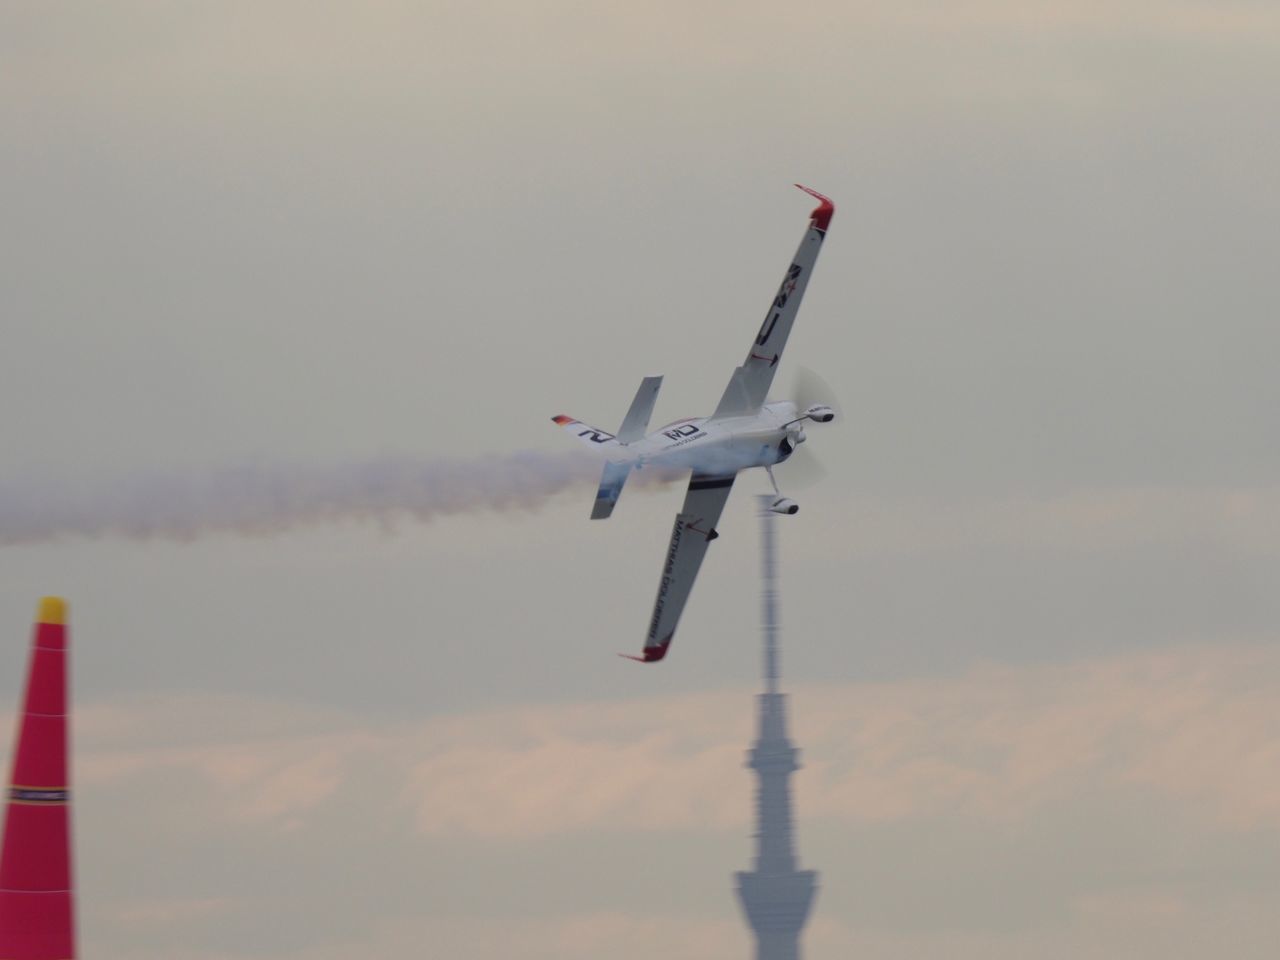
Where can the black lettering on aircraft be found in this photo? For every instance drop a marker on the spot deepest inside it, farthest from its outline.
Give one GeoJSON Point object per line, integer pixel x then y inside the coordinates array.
{"type": "Point", "coordinates": [784, 292]}
{"type": "Point", "coordinates": [596, 436]}
{"type": "Point", "coordinates": [767, 330]}
{"type": "Point", "coordinates": [680, 433]}
{"type": "Point", "coordinates": [667, 573]}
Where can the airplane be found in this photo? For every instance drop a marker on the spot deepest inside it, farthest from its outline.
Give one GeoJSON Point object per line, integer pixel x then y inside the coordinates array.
{"type": "Point", "coordinates": [746, 430]}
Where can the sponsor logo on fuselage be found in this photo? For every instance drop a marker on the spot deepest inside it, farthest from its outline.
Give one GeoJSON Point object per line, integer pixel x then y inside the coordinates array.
{"type": "Point", "coordinates": [682, 434]}
{"type": "Point", "coordinates": [679, 433]}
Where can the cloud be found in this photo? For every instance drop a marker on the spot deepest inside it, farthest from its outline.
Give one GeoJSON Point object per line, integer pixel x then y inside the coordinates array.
{"type": "Point", "coordinates": [149, 915]}
{"type": "Point", "coordinates": [1242, 518]}
{"type": "Point", "coordinates": [1155, 17]}
{"type": "Point", "coordinates": [1005, 757]}
{"type": "Point", "coordinates": [1119, 923]}
{"type": "Point", "coordinates": [397, 54]}
{"type": "Point", "coordinates": [1192, 726]}
{"type": "Point", "coordinates": [583, 936]}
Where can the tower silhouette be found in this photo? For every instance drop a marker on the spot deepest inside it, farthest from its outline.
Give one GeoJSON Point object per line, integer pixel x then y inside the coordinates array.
{"type": "Point", "coordinates": [775, 896]}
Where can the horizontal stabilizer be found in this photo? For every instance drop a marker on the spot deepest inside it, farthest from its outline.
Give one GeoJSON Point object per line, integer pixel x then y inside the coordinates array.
{"type": "Point", "coordinates": [611, 481]}
{"type": "Point", "coordinates": [592, 436]}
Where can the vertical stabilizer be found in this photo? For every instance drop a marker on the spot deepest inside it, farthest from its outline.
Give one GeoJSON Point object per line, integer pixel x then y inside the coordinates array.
{"type": "Point", "coordinates": [636, 422]}
{"type": "Point", "coordinates": [36, 910]}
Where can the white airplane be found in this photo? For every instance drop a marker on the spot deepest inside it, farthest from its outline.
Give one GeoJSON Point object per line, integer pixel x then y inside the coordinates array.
{"type": "Point", "coordinates": [745, 431]}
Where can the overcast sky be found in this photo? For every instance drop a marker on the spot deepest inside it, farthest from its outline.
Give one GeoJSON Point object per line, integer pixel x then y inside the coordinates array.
{"type": "Point", "coordinates": [1029, 613]}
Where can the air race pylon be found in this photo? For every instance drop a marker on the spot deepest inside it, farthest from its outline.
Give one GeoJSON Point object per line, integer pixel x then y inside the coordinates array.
{"type": "Point", "coordinates": [37, 920]}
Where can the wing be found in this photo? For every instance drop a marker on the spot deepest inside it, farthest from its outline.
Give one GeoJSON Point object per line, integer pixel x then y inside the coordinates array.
{"type": "Point", "coordinates": [749, 386]}
{"type": "Point", "coordinates": [694, 529]}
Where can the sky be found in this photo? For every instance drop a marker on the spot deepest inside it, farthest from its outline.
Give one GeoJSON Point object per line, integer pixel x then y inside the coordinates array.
{"type": "Point", "coordinates": [291, 291]}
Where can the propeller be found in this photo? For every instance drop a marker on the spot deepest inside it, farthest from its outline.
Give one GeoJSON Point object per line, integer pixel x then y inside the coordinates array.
{"type": "Point", "coordinates": [803, 468]}
{"type": "Point", "coordinates": [811, 390]}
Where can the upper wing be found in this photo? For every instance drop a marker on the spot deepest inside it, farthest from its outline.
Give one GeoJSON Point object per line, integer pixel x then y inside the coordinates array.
{"type": "Point", "coordinates": [694, 529]}
{"type": "Point", "coordinates": [749, 386]}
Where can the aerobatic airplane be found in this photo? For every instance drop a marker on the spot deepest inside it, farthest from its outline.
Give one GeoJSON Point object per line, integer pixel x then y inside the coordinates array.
{"type": "Point", "coordinates": [746, 430]}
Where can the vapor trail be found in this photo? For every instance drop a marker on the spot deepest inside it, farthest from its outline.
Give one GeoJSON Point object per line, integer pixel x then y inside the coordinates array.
{"type": "Point", "coordinates": [270, 498]}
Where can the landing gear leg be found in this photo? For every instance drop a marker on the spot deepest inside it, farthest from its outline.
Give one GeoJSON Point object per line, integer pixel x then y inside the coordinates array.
{"type": "Point", "coordinates": [780, 503]}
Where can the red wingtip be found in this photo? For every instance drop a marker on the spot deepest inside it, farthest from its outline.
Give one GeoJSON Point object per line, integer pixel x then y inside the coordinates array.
{"type": "Point", "coordinates": [651, 654]}
{"type": "Point", "coordinates": [562, 419]}
{"type": "Point", "coordinates": [823, 213]}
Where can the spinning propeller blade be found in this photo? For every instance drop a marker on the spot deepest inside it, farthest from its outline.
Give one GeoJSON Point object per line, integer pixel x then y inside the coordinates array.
{"type": "Point", "coordinates": [811, 390]}
{"type": "Point", "coordinates": [803, 468]}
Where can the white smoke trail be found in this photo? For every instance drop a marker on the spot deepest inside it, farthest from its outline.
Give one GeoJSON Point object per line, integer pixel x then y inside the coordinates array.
{"type": "Point", "coordinates": [271, 498]}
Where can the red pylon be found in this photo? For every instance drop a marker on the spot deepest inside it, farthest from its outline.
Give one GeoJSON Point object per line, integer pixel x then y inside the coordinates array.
{"type": "Point", "coordinates": [37, 915]}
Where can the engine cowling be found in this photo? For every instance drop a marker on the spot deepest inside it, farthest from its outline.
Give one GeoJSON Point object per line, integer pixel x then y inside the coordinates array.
{"type": "Point", "coordinates": [820, 413]}
{"type": "Point", "coordinates": [785, 505]}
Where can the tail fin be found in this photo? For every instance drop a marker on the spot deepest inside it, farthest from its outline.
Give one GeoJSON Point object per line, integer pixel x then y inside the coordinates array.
{"type": "Point", "coordinates": [36, 911]}
{"type": "Point", "coordinates": [634, 425]}
{"type": "Point", "coordinates": [636, 421]}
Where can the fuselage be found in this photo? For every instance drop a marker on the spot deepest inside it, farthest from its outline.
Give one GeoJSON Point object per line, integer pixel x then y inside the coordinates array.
{"type": "Point", "coordinates": [723, 447]}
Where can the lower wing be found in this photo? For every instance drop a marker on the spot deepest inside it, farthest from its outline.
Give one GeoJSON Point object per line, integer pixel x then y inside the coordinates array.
{"type": "Point", "coordinates": [694, 529]}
